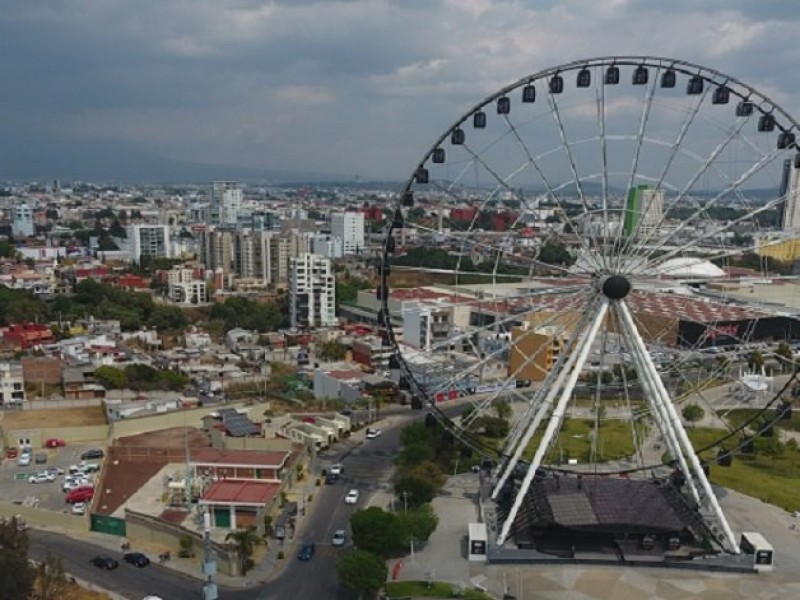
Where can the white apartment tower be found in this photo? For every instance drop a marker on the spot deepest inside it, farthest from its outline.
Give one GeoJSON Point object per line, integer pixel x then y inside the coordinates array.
{"type": "Point", "coordinates": [148, 240]}
{"type": "Point", "coordinates": [312, 292]}
{"type": "Point", "coordinates": [349, 227]}
{"type": "Point", "coordinates": [226, 203]}
{"type": "Point", "coordinates": [790, 190]}
{"type": "Point", "coordinates": [22, 224]}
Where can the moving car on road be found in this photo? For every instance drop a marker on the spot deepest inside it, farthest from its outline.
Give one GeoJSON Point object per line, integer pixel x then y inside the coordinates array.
{"type": "Point", "coordinates": [373, 433]}
{"type": "Point", "coordinates": [336, 469]}
{"type": "Point", "coordinates": [104, 562]}
{"type": "Point", "coordinates": [306, 551]}
{"type": "Point", "coordinates": [339, 537]}
{"type": "Point", "coordinates": [351, 497]}
{"type": "Point", "coordinates": [137, 559]}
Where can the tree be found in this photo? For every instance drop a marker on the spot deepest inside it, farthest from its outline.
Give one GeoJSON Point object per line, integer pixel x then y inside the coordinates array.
{"type": "Point", "coordinates": [377, 531]}
{"type": "Point", "coordinates": [111, 378]}
{"type": "Point", "coordinates": [755, 361]}
{"type": "Point", "coordinates": [245, 541]}
{"type": "Point", "coordinates": [415, 454]}
{"type": "Point", "coordinates": [693, 413]}
{"type": "Point", "coordinates": [362, 571]}
{"type": "Point", "coordinates": [414, 491]}
{"type": "Point", "coordinates": [784, 351]}
{"type": "Point", "coordinates": [502, 409]}
{"type": "Point", "coordinates": [332, 351]}
{"type": "Point", "coordinates": [420, 523]}
{"type": "Point", "coordinates": [51, 581]}
{"type": "Point", "coordinates": [16, 573]}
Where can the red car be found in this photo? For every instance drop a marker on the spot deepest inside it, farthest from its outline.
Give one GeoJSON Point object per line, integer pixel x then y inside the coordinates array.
{"type": "Point", "coordinates": [54, 443]}
{"type": "Point", "coordinates": [81, 494]}
{"type": "Point", "coordinates": [12, 453]}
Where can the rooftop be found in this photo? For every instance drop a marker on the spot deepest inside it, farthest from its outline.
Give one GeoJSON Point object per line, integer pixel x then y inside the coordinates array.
{"type": "Point", "coordinates": [241, 492]}
{"type": "Point", "coordinates": [220, 456]}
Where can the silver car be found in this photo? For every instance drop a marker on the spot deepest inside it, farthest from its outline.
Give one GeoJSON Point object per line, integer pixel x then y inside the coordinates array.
{"type": "Point", "coordinates": [339, 537]}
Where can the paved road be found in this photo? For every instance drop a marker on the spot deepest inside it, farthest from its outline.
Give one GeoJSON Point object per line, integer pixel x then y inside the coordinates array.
{"type": "Point", "coordinates": [368, 467]}
{"type": "Point", "coordinates": [126, 580]}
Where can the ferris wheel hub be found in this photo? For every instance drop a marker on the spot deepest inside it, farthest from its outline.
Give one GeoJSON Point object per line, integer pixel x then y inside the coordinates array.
{"type": "Point", "coordinates": [616, 287]}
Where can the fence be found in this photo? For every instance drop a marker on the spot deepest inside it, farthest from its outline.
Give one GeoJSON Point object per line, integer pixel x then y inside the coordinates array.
{"type": "Point", "coordinates": [61, 403]}
{"type": "Point", "coordinates": [45, 518]}
{"type": "Point", "coordinates": [106, 524]}
{"type": "Point", "coordinates": [149, 529]}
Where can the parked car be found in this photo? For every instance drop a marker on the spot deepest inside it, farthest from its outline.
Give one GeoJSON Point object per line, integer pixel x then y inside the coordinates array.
{"type": "Point", "coordinates": [12, 452]}
{"type": "Point", "coordinates": [73, 483]}
{"type": "Point", "coordinates": [373, 433]}
{"type": "Point", "coordinates": [54, 471]}
{"type": "Point", "coordinates": [41, 458]}
{"type": "Point", "coordinates": [306, 551]}
{"type": "Point", "coordinates": [351, 497]}
{"type": "Point", "coordinates": [137, 559]}
{"type": "Point", "coordinates": [339, 537]}
{"type": "Point", "coordinates": [104, 562]}
{"type": "Point", "coordinates": [93, 453]}
{"type": "Point", "coordinates": [337, 469]}
{"type": "Point", "coordinates": [24, 460]}
{"type": "Point", "coordinates": [79, 508]}
{"type": "Point", "coordinates": [81, 494]}
{"type": "Point", "coordinates": [330, 479]}
{"type": "Point", "coordinates": [41, 478]}
{"type": "Point", "coordinates": [54, 443]}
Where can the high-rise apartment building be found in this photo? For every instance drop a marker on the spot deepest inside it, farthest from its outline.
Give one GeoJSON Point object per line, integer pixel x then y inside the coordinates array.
{"type": "Point", "coordinates": [252, 252]}
{"type": "Point", "coordinates": [643, 210]}
{"type": "Point", "coordinates": [216, 250]}
{"type": "Point", "coordinates": [790, 191]}
{"type": "Point", "coordinates": [226, 203]}
{"type": "Point", "coordinates": [22, 224]}
{"type": "Point", "coordinates": [148, 240]}
{"type": "Point", "coordinates": [312, 292]}
{"type": "Point", "coordinates": [349, 227]}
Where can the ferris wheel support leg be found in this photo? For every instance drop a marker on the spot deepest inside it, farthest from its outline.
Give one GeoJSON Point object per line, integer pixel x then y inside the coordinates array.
{"type": "Point", "coordinates": [683, 438]}
{"type": "Point", "coordinates": [650, 380]}
{"type": "Point", "coordinates": [583, 349]}
{"type": "Point", "coordinates": [545, 405]}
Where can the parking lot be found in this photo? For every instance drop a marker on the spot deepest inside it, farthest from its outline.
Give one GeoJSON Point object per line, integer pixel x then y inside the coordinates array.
{"type": "Point", "coordinates": [49, 495]}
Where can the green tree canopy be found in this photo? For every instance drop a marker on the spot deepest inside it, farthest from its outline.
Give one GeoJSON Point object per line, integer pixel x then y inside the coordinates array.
{"type": "Point", "coordinates": [419, 523]}
{"type": "Point", "coordinates": [16, 573]}
{"type": "Point", "coordinates": [414, 491]}
{"type": "Point", "coordinates": [377, 531]}
{"type": "Point", "coordinates": [362, 571]}
{"type": "Point", "coordinates": [111, 378]}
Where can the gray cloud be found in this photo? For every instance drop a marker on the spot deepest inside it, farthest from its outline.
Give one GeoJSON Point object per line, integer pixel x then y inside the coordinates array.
{"type": "Point", "coordinates": [347, 87]}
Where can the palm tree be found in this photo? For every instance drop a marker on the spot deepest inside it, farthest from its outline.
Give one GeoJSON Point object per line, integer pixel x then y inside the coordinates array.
{"type": "Point", "coordinates": [245, 541]}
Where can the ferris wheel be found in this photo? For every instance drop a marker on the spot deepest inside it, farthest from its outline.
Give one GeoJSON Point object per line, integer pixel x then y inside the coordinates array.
{"type": "Point", "coordinates": [567, 251]}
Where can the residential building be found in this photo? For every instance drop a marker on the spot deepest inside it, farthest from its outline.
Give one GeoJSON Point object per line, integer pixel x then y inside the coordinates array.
{"type": "Point", "coordinates": [148, 240]}
{"type": "Point", "coordinates": [185, 287]}
{"type": "Point", "coordinates": [226, 203]}
{"type": "Point", "coordinates": [312, 292]}
{"type": "Point", "coordinates": [327, 245]}
{"type": "Point", "coordinates": [349, 227]}
{"type": "Point", "coordinates": [790, 190]}
{"type": "Point", "coordinates": [216, 250]}
{"type": "Point", "coordinates": [252, 254]}
{"type": "Point", "coordinates": [12, 384]}
{"type": "Point", "coordinates": [428, 327]}
{"type": "Point", "coordinates": [643, 210]}
{"type": "Point", "coordinates": [535, 350]}
{"type": "Point", "coordinates": [22, 225]}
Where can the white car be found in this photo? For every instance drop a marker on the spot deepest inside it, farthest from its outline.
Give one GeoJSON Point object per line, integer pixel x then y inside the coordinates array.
{"type": "Point", "coordinates": [373, 433]}
{"type": "Point", "coordinates": [336, 469]}
{"type": "Point", "coordinates": [79, 508]}
{"type": "Point", "coordinates": [71, 483]}
{"type": "Point", "coordinates": [351, 497]}
{"type": "Point", "coordinates": [24, 460]}
{"type": "Point", "coordinates": [41, 478]}
{"type": "Point", "coordinates": [339, 537]}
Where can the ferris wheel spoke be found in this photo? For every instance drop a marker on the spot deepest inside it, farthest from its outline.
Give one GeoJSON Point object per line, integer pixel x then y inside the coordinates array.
{"type": "Point", "coordinates": [654, 261]}
{"type": "Point", "coordinates": [683, 194]}
{"type": "Point", "coordinates": [600, 101]}
{"type": "Point", "coordinates": [643, 119]}
{"type": "Point", "coordinates": [676, 149]}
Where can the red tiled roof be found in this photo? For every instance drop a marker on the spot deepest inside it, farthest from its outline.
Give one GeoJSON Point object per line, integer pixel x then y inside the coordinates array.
{"type": "Point", "coordinates": [235, 491]}
{"type": "Point", "coordinates": [257, 458]}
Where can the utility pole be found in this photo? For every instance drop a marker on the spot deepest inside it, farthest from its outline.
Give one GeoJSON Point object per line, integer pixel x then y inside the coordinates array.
{"type": "Point", "coordinates": [210, 591]}
{"type": "Point", "coordinates": [405, 508]}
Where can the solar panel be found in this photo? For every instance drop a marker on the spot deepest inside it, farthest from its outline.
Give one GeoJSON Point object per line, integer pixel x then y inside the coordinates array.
{"type": "Point", "coordinates": [237, 424]}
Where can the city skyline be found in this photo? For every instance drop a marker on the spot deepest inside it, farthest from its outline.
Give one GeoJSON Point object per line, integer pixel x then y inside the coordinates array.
{"type": "Point", "coordinates": [347, 89]}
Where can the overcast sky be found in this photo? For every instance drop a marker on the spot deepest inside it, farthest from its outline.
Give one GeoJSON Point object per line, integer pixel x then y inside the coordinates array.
{"type": "Point", "coordinates": [342, 87]}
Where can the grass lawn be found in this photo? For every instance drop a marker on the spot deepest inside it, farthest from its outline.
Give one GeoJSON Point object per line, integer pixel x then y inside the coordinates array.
{"type": "Point", "coordinates": [740, 415]}
{"type": "Point", "coordinates": [770, 474]}
{"type": "Point", "coordinates": [436, 589]}
{"type": "Point", "coordinates": [614, 441]}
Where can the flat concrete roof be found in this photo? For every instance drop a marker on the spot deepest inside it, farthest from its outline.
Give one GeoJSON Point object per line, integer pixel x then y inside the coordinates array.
{"type": "Point", "coordinates": [249, 458]}
{"type": "Point", "coordinates": [233, 491]}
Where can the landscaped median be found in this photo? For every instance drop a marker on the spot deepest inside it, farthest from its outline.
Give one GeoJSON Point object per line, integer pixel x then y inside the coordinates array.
{"type": "Point", "coordinates": [434, 589]}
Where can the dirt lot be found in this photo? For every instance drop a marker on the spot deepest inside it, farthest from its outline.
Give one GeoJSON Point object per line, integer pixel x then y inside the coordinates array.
{"type": "Point", "coordinates": [175, 437]}
{"type": "Point", "coordinates": [54, 417]}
